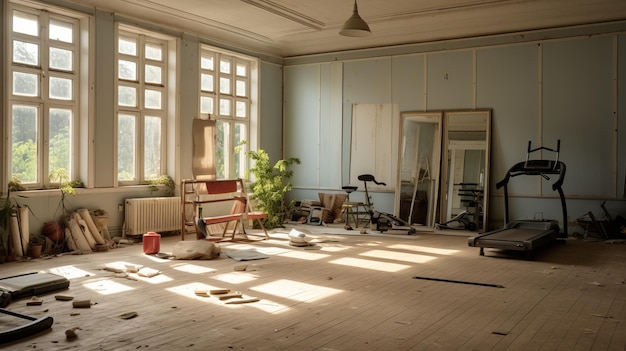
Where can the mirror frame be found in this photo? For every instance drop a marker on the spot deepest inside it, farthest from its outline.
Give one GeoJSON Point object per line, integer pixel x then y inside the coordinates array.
{"type": "Point", "coordinates": [444, 164]}
{"type": "Point", "coordinates": [429, 117]}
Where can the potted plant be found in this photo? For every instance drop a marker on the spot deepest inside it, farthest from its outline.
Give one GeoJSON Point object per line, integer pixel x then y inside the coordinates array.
{"type": "Point", "coordinates": [165, 181]}
{"type": "Point", "coordinates": [5, 215]}
{"type": "Point", "coordinates": [271, 183]}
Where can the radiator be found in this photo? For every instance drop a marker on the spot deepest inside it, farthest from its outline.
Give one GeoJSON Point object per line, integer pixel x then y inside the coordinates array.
{"type": "Point", "coordinates": [152, 214]}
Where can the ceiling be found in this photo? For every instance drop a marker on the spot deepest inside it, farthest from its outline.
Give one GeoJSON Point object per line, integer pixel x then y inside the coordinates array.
{"type": "Point", "coordinates": [288, 28]}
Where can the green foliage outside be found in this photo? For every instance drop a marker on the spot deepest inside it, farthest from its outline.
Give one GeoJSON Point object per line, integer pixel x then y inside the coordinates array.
{"type": "Point", "coordinates": [270, 186]}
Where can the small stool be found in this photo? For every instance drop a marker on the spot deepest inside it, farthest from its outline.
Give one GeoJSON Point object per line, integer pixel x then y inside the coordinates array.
{"type": "Point", "coordinates": [349, 210]}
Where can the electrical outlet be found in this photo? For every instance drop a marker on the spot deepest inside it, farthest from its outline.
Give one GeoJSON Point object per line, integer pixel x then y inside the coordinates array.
{"type": "Point", "coordinates": [120, 207]}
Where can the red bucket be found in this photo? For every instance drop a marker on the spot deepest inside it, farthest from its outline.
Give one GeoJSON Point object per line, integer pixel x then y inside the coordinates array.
{"type": "Point", "coordinates": [151, 243]}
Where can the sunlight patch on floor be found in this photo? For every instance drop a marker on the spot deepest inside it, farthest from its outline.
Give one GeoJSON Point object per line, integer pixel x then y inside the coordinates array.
{"type": "Point", "coordinates": [70, 272]}
{"type": "Point", "coordinates": [371, 264]}
{"type": "Point", "coordinates": [235, 278]}
{"type": "Point", "coordinates": [304, 255]}
{"type": "Point", "coordinates": [426, 249]}
{"type": "Point", "coordinates": [297, 291]}
{"type": "Point", "coordinates": [192, 268]}
{"type": "Point", "coordinates": [107, 287]}
{"type": "Point", "coordinates": [398, 256]}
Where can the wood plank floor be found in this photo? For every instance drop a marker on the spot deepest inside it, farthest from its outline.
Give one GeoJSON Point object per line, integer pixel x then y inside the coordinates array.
{"type": "Point", "coordinates": [355, 292]}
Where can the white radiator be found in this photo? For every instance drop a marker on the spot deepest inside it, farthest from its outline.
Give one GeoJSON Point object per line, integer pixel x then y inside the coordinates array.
{"type": "Point", "coordinates": [152, 214]}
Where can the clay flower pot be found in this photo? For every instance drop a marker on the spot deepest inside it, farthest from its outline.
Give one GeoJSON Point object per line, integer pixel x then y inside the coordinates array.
{"type": "Point", "coordinates": [52, 230]}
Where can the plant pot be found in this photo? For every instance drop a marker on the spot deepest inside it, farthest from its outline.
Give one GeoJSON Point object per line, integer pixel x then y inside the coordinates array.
{"type": "Point", "coordinates": [35, 250]}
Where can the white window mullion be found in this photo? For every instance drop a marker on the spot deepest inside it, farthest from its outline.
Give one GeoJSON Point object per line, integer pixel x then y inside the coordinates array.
{"type": "Point", "coordinates": [30, 43]}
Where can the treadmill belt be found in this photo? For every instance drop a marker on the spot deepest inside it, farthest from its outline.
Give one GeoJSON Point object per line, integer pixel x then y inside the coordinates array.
{"type": "Point", "coordinates": [513, 234]}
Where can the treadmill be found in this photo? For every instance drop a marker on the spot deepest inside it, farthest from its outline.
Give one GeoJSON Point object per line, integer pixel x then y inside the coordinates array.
{"type": "Point", "coordinates": [527, 235]}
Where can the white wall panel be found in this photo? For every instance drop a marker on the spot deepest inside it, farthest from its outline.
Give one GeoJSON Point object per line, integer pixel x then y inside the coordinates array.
{"type": "Point", "coordinates": [577, 101]}
{"type": "Point", "coordinates": [408, 82]}
{"type": "Point", "coordinates": [507, 82]}
{"type": "Point", "coordinates": [302, 111]}
{"type": "Point", "coordinates": [271, 120]}
{"type": "Point", "coordinates": [330, 120]}
{"type": "Point", "coordinates": [367, 81]}
{"type": "Point", "coordinates": [450, 80]}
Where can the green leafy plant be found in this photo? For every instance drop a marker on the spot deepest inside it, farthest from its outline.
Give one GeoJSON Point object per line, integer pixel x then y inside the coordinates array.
{"type": "Point", "coordinates": [15, 184]}
{"type": "Point", "coordinates": [6, 208]}
{"type": "Point", "coordinates": [66, 185]}
{"type": "Point", "coordinates": [271, 183]}
{"type": "Point", "coordinates": [163, 180]}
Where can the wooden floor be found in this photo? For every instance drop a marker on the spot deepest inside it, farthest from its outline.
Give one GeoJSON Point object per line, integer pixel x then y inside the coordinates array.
{"type": "Point", "coordinates": [355, 292]}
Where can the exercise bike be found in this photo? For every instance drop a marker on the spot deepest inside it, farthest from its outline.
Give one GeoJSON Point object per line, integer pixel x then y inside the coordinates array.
{"type": "Point", "coordinates": [380, 220]}
{"type": "Point", "coordinates": [466, 219]}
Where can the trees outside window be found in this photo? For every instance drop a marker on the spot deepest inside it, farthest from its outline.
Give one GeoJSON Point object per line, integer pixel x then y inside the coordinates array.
{"type": "Point", "coordinates": [43, 103]}
{"type": "Point", "coordinates": [226, 95]}
{"type": "Point", "coordinates": [141, 106]}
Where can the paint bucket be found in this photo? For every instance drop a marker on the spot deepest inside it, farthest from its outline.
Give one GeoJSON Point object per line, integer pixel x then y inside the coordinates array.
{"type": "Point", "coordinates": [151, 243]}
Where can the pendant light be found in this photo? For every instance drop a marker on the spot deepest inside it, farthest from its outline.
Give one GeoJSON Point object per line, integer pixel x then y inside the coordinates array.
{"type": "Point", "coordinates": [355, 26]}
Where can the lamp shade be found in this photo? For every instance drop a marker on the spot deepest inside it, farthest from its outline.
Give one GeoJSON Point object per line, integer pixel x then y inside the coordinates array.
{"type": "Point", "coordinates": [355, 26]}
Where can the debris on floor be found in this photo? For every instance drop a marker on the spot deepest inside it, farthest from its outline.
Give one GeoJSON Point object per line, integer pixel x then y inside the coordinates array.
{"type": "Point", "coordinates": [63, 297]}
{"type": "Point", "coordinates": [34, 301]}
{"type": "Point", "coordinates": [128, 315]}
{"type": "Point", "coordinates": [82, 304]}
{"type": "Point", "coordinates": [225, 295]}
{"type": "Point", "coordinates": [70, 334]}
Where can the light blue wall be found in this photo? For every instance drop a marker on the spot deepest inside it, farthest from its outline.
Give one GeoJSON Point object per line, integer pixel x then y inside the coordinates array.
{"type": "Point", "coordinates": [271, 128]}
{"type": "Point", "coordinates": [542, 91]}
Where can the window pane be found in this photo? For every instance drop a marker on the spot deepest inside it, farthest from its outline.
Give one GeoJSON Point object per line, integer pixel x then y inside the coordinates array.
{"type": "Point", "coordinates": [24, 143]}
{"type": "Point", "coordinates": [60, 150]}
{"type": "Point", "coordinates": [154, 52]}
{"type": "Point", "coordinates": [61, 59]}
{"type": "Point", "coordinates": [207, 62]}
{"type": "Point", "coordinates": [241, 88]}
{"type": "Point", "coordinates": [152, 147]}
{"type": "Point", "coordinates": [241, 70]}
{"type": "Point", "coordinates": [25, 84]}
{"type": "Point", "coordinates": [241, 110]}
{"type": "Point", "coordinates": [127, 96]}
{"type": "Point", "coordinates": [206, 104]}
{"type": "Point", "coordinates": [152, 99]}
{"type": "Point", "coordinates": [240, 157]}
{"type": "Point", "coordinates": [225, 66]}
{"type": "Point", "coordinates": [60, 88]}
{"type": "Point", "coordinates": [27, 53]}
{"type": "Point", "coordinates": [127, 46]}
{"type": "Point", "coordinates": [61, 31]}
{"type": "Point", "coordinates": [224, 86]}
{"type": "Point", "coordinates": [206, 83]}
{"type": "Point", "coordinates": [153, 74]}
{"type": "Point", "coordinates": [224, 107]}
{"type": "Point", "coordinates": [126, 149]}
{"type": "Point", "coordinates": [221, 151]}
{"type": "Point", "coordinates": [25, 23]}
{"type": "Point", "coordinates": [127, 70]}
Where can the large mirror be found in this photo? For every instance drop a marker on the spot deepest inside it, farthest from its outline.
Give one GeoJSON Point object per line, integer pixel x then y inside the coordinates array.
{"type": "Point", "coordinates": [465, 170]}
{"type": "Point", "coordinates": [418, 176]}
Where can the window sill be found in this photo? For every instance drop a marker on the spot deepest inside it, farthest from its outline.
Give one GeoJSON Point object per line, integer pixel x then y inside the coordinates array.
{"type": "Point", "coordinates": [79, 191]}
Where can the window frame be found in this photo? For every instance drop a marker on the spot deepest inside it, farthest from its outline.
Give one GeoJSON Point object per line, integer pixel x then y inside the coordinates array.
{"type": "Point", "coordinates": [42, 100]}
{"type": "Point", "coordinates": [142, 38]}
{"type": "Point", "coordinates": [235, 162]}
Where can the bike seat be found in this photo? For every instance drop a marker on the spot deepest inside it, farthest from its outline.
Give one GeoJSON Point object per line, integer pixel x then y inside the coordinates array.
{"type": "Point", "coordinates": [369, 178]}
{"type": "Point", "coordinates": [366, 178]}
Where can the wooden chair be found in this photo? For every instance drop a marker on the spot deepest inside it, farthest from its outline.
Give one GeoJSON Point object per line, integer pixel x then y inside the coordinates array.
{"type": "Point", "coordinates": [195, 193]}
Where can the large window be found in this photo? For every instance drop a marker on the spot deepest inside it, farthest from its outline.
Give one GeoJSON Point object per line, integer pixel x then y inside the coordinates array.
{"type": "Point", "coordinates": [141, 105]}
{"type": "Point", "coordinates": [225, 94]}
{"type": "Point", "coordinates": [43, 103]}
